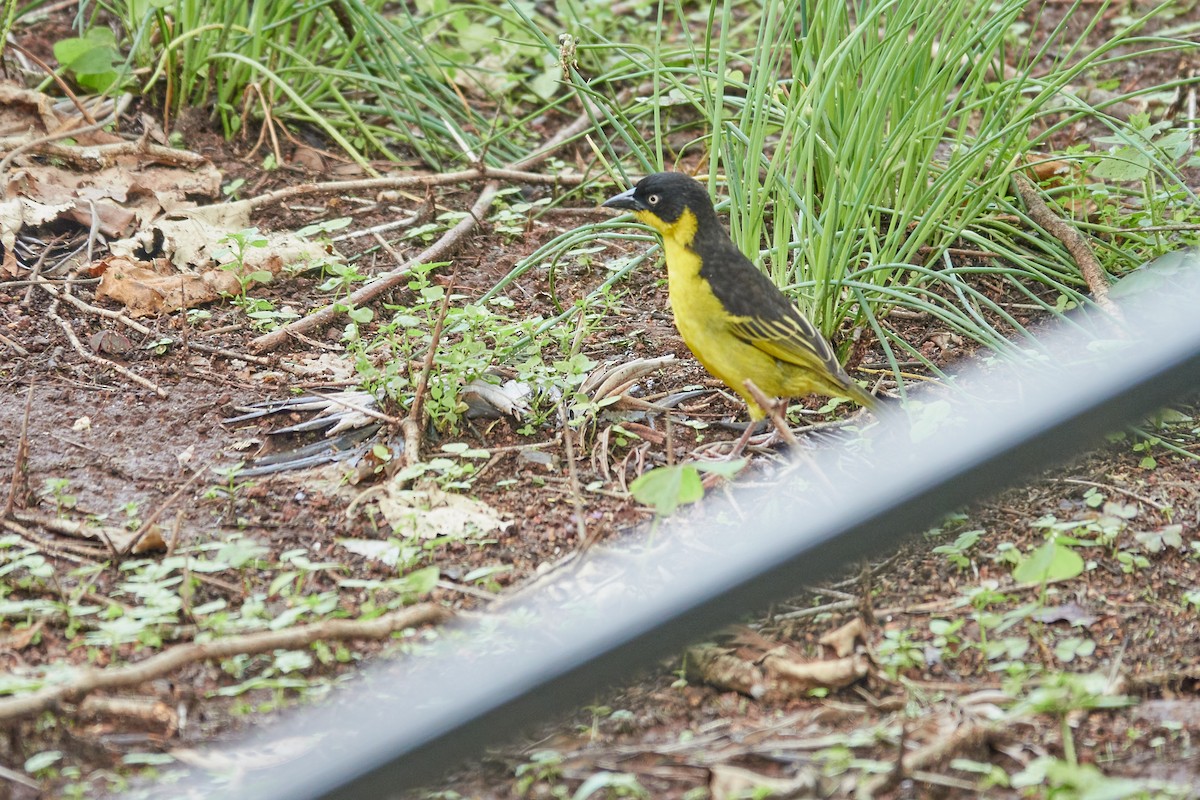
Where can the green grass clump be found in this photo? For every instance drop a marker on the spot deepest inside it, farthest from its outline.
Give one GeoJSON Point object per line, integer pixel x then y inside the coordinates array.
{"type": "Point", "coordinates": [858, 143]}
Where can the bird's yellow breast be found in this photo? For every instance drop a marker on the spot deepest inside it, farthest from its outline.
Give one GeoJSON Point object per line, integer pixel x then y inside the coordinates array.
{"type": "Point", "coordinates": [703, 322]}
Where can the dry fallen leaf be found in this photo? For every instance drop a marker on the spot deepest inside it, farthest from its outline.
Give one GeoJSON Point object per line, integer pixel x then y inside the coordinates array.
{"type": "Point", "coordinates": [386, 551]}
{"type": "Point", "coordinates": [151, 542]}
{"type": "Point", "coordinates": [196, 266]}
{"type": "Point", "coordinates": [146, 710]}
{"type": "Point", "coordinates": [490, 400]}
{"type": "Point", "coordinates": [719, 667]}
{"type": "Point", "coordinates": [843, 640]}
{"type": "Point", "coordinates": [431, 512]}
{"type": "Point", "coordinates": [110, 342]}
{"type": "Point", "coordinates": [19, 212]}
{"type": "Point", "coordinates": [185, 456]}
{"type": "Point", "coordinates": [155, 287]}
{"type": "Point", "coordinates": [118, 198]}
{"type": "Point", "coordinates": [727, 782]}
{"type": "Point", "coordinates": [22, 109]}
{"type": "Point", "coordinates": [796, 678]}
{"type": "Point", "coordinates": [242, 759]}
{"type": "Point", "coordinates": [1051, 171]}
{"type": "Point", "coordinates": [21, 638]}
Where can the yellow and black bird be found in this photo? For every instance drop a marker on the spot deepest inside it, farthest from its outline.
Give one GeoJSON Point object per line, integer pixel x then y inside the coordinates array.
{"type": "Point", "coordinates": [732, 317]}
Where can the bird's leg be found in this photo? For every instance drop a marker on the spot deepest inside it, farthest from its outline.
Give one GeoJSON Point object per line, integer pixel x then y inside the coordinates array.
{"type": "Point", "coordinates": [776, 412]}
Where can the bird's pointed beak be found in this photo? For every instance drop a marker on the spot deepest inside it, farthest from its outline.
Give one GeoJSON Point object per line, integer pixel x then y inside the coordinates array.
{"type": "Point", "coordinates": [625, 201]}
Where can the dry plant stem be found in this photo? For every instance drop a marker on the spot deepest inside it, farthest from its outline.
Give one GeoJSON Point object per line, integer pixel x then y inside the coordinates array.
{"type": "Point", "coordinates": [436, 252]}
{"type": "Point", "coordinates": [21, 460]}
{"type": "Point", "coordinates": [775, 411]}
{"type": "Point", "coordinates": [35, 272]}
{"type": "Point", "coordinates": [268, 126]}
{"type": "Point", "coordinates": [66, 527]}
{"type": "Point", "coordinates": [409, 181]}
{"type": "Point", "coordinates": [16, 348]}
{"type": "Point", "coordinates": [864, 596]}
{"type": "Point", "coordinates": [99, 156]}
{"type": "Point", "coordinates": [414, 425]}
{"type": "Point", "coordinates": [1110, 487]}
{"type": "Point", "coordinates": [956, 604]}
{"type": "Point", "coordinates": [573, 477]}
{"type": "Point", "coordinates": [403, 222]}
{"type": "Point", "coordinates": [387, 281]}
{"type": "Point", "coordinates": [90, 680]}
{"type": "Point", "coordinates": [738, 447]}
{"type": "Point", "coordinates": [53, 291]}
{"type": "Point", "coordinates": [1072, 239]}
{"type": "Point", "coordinates": [76, 553]}
{"type": "Point", "coordinates": [839, 605]}
{"type": "Point", "coordinates": [16, 777]}
{"type": "Point", "coordinates": [969, 737]}
{"type": "Point", "coordinates": [469, 591]}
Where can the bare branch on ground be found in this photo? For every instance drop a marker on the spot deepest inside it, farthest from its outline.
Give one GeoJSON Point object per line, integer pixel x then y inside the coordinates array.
{"type": "Point", "coordinates": [91, 680]}
{"type": "Point", "coordinates": [1072, 239]}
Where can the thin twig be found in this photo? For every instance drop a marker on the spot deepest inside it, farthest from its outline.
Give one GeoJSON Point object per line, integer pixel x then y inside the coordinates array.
{"type": "Point", "coordinates": [21, 459]}
{"type": "Point", "coordinates": [1110, 487]}
{"type": "Point", "coordinates": [90, 680]}
{"type": "Point", "coordinates": [968, 737]}
{"type": "Point", "coordinates": [837, 605]}
{"type": "Point", "coordinates": [70, 527]}
{"type": "Point", "coordinates": [470, 591]}
{"type": "Point", "coordinates": [775, 412]}
{"type": "Point", "coordinates": [117, 316]}
{"type": "Point", "coordinates": [408, 181]}
{"type": "Point", "coordinates": [573, 478]}
{"type": "Point", "coordinates": [17, 777]}
{"type": "Point", "coordinates": [403, 222]}
{"type": "Point", "coordinates": [100, 156]}
{"type": "Point", "coordinates": [21, 351]}
{"type": "Point", "coordinates": [182, 341]}
{"type": "Point", "coordinates": [414, 425]}
{"type": "Point", "coordinates": [71, 552]}
{"type": "Point", "coordinates": [35, 272]}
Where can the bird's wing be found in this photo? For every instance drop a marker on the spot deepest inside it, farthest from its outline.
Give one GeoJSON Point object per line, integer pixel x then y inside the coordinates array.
{"type": "Point", "coordinates": [790, 338]}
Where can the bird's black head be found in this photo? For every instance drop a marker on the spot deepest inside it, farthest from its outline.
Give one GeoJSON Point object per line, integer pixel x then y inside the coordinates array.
{"type": "Point", "coordinates": [661, 199]}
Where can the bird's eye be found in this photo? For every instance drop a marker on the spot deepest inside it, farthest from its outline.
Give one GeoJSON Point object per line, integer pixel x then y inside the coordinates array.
{"type": "Point", "coordinates": [653, 199]}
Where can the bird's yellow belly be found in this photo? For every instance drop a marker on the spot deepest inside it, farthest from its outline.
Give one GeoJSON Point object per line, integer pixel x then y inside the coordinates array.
{"type": "Point", "coordinates": [703, 324]}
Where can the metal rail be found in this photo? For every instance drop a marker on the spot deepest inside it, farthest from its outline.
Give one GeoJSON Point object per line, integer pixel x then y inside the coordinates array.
{"type": "Point", "coordinates": [481, 682]}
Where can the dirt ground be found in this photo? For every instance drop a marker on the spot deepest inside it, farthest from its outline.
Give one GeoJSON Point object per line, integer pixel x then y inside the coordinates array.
{"type": "Point", "coordinates": [1102, 669]}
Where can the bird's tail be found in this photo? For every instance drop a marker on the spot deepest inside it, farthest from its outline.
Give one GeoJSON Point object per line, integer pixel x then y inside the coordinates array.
{"type": "Point", "coordinates": [862, 396]}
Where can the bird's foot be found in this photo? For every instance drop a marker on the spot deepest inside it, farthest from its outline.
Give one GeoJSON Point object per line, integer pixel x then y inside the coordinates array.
{"type": "Point", "coordinates": [776, 412]}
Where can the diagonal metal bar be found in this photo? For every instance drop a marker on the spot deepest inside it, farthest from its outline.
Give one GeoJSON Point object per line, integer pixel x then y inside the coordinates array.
{"type": "Point", "coordinates": [405, 723]}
